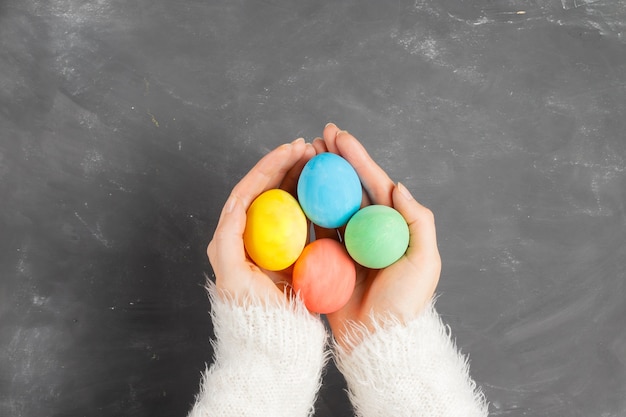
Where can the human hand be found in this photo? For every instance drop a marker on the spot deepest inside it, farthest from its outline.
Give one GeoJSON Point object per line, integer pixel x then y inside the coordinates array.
{"type": "Point", "coordinates": [235, 274]}
{"type": "Point", "coordinates": [403, 289]}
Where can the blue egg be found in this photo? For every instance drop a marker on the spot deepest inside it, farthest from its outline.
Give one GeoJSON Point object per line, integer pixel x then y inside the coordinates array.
{"type": "Point", "coordinates": [329, 190]}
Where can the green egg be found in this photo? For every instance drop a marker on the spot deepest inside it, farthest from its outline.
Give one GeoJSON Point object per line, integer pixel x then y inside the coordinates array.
{"type": "Point", "coordinates": [376, 236]}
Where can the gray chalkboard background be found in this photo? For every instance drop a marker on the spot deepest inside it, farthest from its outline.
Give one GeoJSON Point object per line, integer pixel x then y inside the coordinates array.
{"type": "Point", "coordinates": [124, 125]}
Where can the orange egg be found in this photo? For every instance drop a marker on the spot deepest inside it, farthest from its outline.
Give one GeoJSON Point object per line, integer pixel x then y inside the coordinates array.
{"type": "Point", "coordinates": [324, 275]}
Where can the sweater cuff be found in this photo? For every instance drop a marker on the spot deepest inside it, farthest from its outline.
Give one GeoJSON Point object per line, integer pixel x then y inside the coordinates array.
{"type": "Point", "coordinates": [267, 359]}
{"type": "Point", "coordinates": [408, 369]}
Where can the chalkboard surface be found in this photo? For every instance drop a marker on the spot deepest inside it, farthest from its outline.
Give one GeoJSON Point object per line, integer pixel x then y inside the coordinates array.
{"type": "Point", "coordinates": [124, 125]}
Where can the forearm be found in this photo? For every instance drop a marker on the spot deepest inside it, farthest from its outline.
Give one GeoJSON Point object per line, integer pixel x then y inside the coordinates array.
{"type": "Point", "coordinates": [267, 360]}
{"type": "Point", "coordinates": [411, 369]}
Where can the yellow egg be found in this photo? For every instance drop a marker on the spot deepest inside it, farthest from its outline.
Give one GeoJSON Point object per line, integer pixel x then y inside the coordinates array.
{"type": "Point", "coordinates": [276, 230]}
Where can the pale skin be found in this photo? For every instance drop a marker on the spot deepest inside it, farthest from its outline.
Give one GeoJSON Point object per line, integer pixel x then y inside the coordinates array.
{"type": "Point", "coordinates": [401, 290]}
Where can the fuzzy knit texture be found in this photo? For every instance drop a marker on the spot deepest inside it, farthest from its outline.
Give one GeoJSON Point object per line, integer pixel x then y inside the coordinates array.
{"type": "Point", "coordinates": [408, 369]}
{"type": "Point", "coordinates": [268, 360]}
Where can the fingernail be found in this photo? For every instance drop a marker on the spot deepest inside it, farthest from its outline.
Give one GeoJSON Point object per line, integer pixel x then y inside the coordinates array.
{"type": "Point", "coordinates": [405, 193]}
{"type": "Point", "coordinates": [328, 124]}
{"type": "Point", "coordinates": [339, 132]}
{"type": "Point", "coordinates": [230, 204]}
{"type": "Point", "coordinates": [297, 141]}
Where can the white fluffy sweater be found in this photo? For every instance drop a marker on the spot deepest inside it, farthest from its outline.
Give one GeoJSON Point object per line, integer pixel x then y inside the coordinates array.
{"type": "Point", "coordinates": [268, 362]}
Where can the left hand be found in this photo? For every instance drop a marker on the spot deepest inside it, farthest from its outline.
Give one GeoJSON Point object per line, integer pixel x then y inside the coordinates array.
{"type": "Point", "coordinates": [235, 273]}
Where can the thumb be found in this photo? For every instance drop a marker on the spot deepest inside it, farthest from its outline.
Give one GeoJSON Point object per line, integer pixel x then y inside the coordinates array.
{"type": "Point", "coordinates": [421, 221]}
{"type": "Point", "coordinates": [226, 249]}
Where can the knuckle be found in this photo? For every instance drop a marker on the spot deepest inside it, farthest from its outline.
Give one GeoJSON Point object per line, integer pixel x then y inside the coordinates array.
{"type": "Point", "coordinates": [210, 250]}
{"type": "Point", "coordinates": [426, 215]}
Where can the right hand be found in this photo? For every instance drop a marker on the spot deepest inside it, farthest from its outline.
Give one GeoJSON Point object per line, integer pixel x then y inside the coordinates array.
{"type": "Point", "coordinates": [403, 289]}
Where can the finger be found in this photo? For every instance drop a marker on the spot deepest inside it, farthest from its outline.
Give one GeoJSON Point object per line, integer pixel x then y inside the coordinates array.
{"type": "Point", "coordinates": [423, 235]}
{"type": "Point", "coordinates": [226, 249]}
{"type": "Point", "coordinates": [290, 182]}
{"type": "Point", "coordinates": [269, 172]}
{"type": "Point", "coordinates": [375, 180]}
{"type": "Point", "coordinates": [319, 145]}
{"type": "Point", "coordinates": [329, 135]}
{"type": "Point", "coordinates": [365, 199]}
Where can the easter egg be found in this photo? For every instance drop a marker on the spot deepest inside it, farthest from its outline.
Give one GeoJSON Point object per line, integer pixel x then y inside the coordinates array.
{"type": "Point", "coordinates": [376, 236]}
{"type": "Point", "coordinates": [329, 190]}
{"type": "Point", "coordinates": [276, 230]}
{"type": "Point", "coordinates": [324, 276]}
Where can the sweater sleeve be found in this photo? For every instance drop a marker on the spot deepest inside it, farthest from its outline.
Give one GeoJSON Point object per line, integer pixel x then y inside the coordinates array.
{"type": "Point", "coordinates": [408, 369]}
{"type": "Point", "coordinates": [267, 360]}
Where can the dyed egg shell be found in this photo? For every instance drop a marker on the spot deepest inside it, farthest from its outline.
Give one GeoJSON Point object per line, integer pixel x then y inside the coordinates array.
{"type": "Point", "coordinates": [376, 236]}
{"type": "Point", "coordinates": [276, 230]}
{"type": "Point", "coordinates": [329, 190]}
{"type": "Point", "coordinates": [325, 276]}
